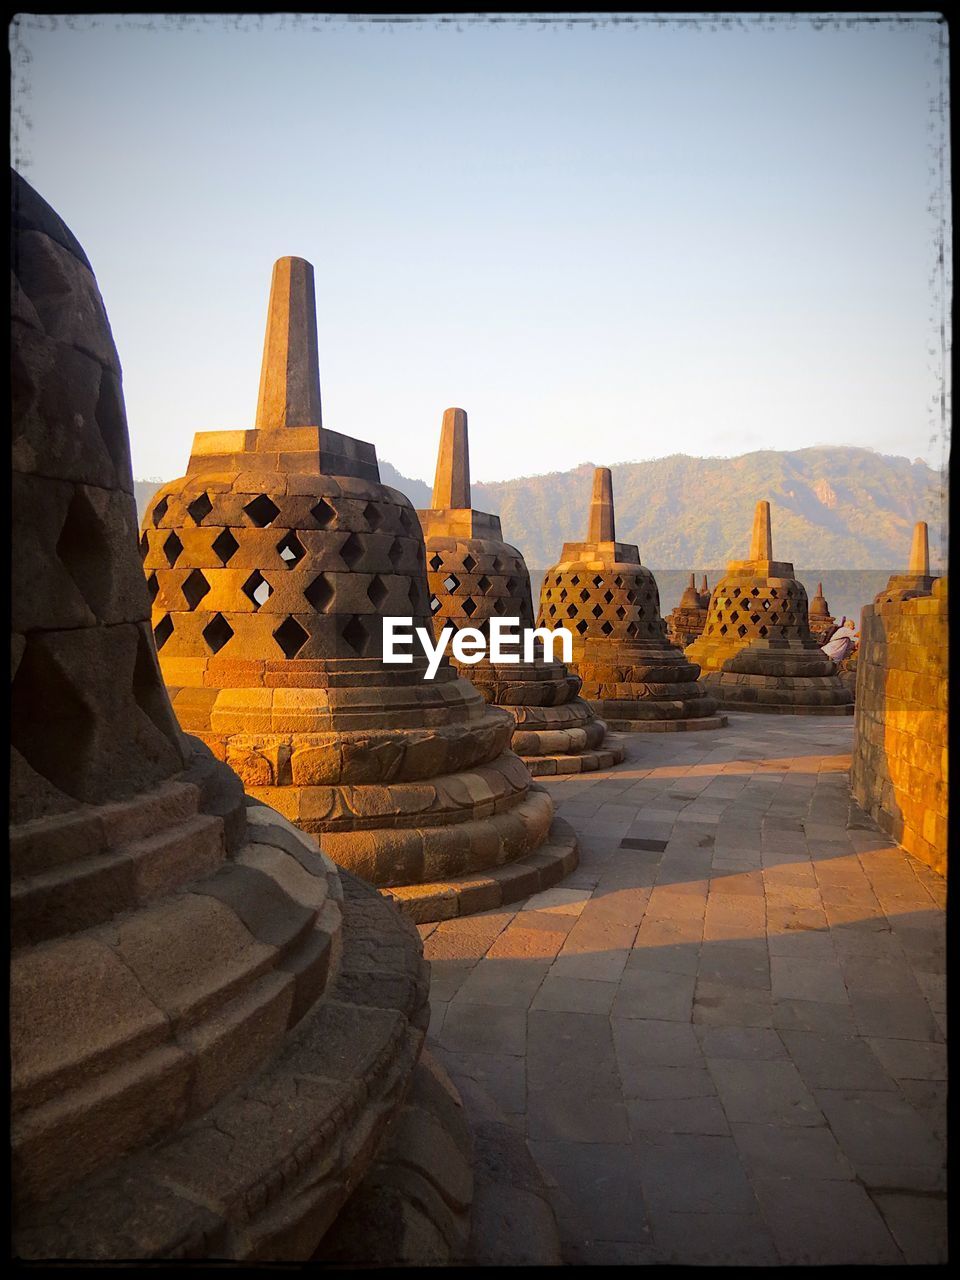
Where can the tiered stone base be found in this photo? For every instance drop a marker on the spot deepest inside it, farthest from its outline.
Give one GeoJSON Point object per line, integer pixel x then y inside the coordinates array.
{"type": "Point", "coordinates": [627, 725]}
{"type": "Point", "coordinates": [557, 732]}
{"type": "Point", "coordinates": [645, 686]}
{"type": "Point", "coordinates": [464, 895]}
{"type": "Point", "coordinates": [785, 677]}
{"type": "Point", "coordinates": [413, 1207]}
{"type": "Point", "coordinates": [407, 782]}
{"type": "Point", "coordinates": [230, 1049]}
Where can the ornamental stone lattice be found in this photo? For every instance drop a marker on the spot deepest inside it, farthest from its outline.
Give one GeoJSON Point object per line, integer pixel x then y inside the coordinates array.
{"type": "Point", "coordinates": [270, 566]}
{"type": "Point", "coordinates": [688, 619]}
{"type": "Point", "coordinates": [757, 652]}
{"type": "Point", "coordinates": [475, 576]}
{"type": "Point", "coordinates": [632, 675]}
{"type": "Point", "coordinates": [211, 1026]}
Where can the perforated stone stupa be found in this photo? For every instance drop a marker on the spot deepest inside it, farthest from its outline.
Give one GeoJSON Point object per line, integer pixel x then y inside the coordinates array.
{"type": "Point", "coordinates": [688, 619]}
{"type": "Point", "coordinates": [475, 576]}
{"type": "Point", "coordinates": [632, 675]}
{"type": "Point", "coordinates": [271, 565]}
{"type": "Point", "coordinates": [211, 1027]}
{"type": "Point", "coordinates": [757, 651]}
{"type": "Point", "coordinates": [822, 622]}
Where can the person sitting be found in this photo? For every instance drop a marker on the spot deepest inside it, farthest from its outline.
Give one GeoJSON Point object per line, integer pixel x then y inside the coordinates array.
{"type": "Point", "coordinates": [841, 643]}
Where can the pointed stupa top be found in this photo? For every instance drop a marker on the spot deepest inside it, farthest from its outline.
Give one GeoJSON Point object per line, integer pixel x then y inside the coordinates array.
{"type": "Point", "coordinates": [690, 598]}
{"type": "Point", "coordinates": [290, 373]}
{"type": "Point", "coordinates": [601, 528]}
{"type": "Point", "coordinates": [451, 485]}
{"type": "Point", "coordinates": [761, 542]}
{"type": "Point", "coordinates": [920, 550]}
{"type": "Point", "coordinates": [760, 561]}
{"type": "Point", "coordinates": [450, 513]}
{"type": "Point", "coordinates": [704, 594]}
{"type": "Point", "coordinates": [288, 434]}
{"type": "Point", "coordinates": [818, 605]}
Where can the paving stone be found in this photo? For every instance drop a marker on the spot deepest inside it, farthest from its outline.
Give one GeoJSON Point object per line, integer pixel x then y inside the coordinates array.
{"type": "Point", "coordinates": [749, 1043]}
{"type": "Point", "coordinates": [767, 1037]}
{"type": "Point", "coordinates": [828, 1221]}
{"type": "Point", "coordinates": [654, 994]}
{"type": "Point", "coordinates": [879, 1129]}
{"type": "Point", "coordinates": [693, 1173]}
{"type": "Point", "coordinates": [918, 1223]}
{"type": "Point", "coordinates": [563, 901]}
{"type": "Point", "coordinates": [718, 1005]}
{"type": "Point", "coordinates": [483, 1028]}
{"type": "Point", "coordinates": [596, 966]}
{"type": "Point", "coordinates": [790, 1151]}
{"type": "Point", "coordinates": [813, 1015]}
{"type": "Point", "coordinates": [835, 1062]}
{"type": "Point", "coordinates": [507, 983]}
{"type": "Point", "coordinates": [574, 995]}
{"type": "Point", "coordinates": [573, 1087]}
{"type": "Point", "coordinates": [713, 1239]}
{"type": "Point", "coordinates": [764, 1092]}
{"type": "Point", "coordinates": [604, 1180]}
{"type": "Point", "coordinates": [678, 1116]}
{"type": "Point", "coordinates": [502, 1076]}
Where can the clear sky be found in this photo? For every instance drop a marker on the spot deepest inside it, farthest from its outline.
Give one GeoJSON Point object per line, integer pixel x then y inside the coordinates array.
{"type": "Point", "coordinates": [606, 241]}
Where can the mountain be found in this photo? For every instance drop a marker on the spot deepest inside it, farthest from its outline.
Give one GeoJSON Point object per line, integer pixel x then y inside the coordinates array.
{"type": "Point", "coordinates": [833, 507]}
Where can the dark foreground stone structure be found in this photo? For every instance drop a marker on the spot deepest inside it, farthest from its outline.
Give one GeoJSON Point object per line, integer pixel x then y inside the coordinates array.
{"type": "Point", "coordinates": [757, 651]}
{"type": "Point", "coordinates": [270, 566]}
{"type": "Point", "coordinates": [211, 1026]}
{"type": "Point", "coordinates": [475, 576]}
{"type": "Point", "coordinates": [899, 770]}
{"type": "Point", "coordinates": [632, 675]}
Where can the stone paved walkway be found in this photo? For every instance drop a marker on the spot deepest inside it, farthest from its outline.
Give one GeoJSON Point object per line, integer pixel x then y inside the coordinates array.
{"type": "Point", "coordinates": [723, 1036]}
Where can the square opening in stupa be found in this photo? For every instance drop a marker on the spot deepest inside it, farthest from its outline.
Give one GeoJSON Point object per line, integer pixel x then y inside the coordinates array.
{"type": "Point", "coordinates": [475, 576]}
{"type": "Point", "coordinates": [185, 961]}
{"type": "Point", "coordinates": [631, 673]}
{"type": "Point", "coordinates": [757, 650]}
{"type": "Point", "coordinates": [270, 566]}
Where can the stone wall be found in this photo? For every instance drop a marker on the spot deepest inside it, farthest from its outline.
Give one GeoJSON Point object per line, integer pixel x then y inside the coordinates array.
{"type": "Point", "coordinates": [899, 773]}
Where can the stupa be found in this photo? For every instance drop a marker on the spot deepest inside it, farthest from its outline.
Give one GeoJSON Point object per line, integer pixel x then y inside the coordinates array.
{"type": "Point", "coordinates": [212, 1028]}
{"type": "Point", "coordinates": [474, 576]}
{"type": "Point", "coordinates": [822, 622]}
{"type": "Point", "coordinates": [271, 565]}
{"type": "Point", "coordinates": [632, 675]}
{"type": "Point", "coordinates": [757, 651]}
{"type": "Point", "coordinates": [687, 620]}
{"type": "Point", "coordinates": [704, 594]}
{"type": "Point", "coordinates": [917, 581]}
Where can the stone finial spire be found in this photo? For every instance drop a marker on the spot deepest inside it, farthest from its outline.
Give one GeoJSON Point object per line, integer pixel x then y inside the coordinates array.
{"type": "Point", "coordinates": [693, 582]}
{"type": "Point", "coordinates": [705, 589]}
{"type": "Point", "coordinates": [290, 374]}
{"type": "Point", "coordinates": [601, 507]}
{"type": "Point", "coordinates": [451, 485]}
{"type": "Point", "coordinates": [819, 588]}
{"type": "Point", "coordinates": [761, 541]}
{"type": "Point", "coordinates": [920, 550]}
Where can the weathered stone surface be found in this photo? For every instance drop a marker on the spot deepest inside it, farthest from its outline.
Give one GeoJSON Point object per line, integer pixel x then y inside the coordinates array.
{"type": "Point", "coordinates": [757, 651]}
{"type": "Point", "coordinates": [475, 577]}
{"type": "Point", "coordinates": [899, 773]}
{"type": "Point", "coordinates": [631, 673]}
{"type": "Point", "coordinates": [205, 1056]}
{"type": "Point", "coordinates": [270, 567]}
